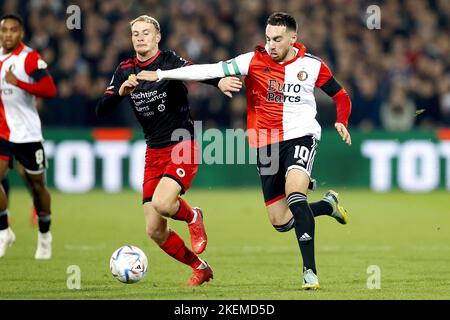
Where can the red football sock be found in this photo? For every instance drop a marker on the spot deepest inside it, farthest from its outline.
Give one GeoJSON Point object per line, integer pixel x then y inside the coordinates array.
{"type": "Point", "coordinates": [185, 212]}
{"type": "Point", "coordinates": [174, 246]}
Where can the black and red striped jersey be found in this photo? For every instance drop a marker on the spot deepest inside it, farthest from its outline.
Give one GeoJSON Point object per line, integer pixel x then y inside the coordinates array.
{"type": "Point", "coordinates": [160, 107]}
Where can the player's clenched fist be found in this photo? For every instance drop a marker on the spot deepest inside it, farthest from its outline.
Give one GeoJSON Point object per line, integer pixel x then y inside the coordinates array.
{"type": "Point", "coordinates": [128, 86]}
{"type": "Point", "coordinates": [10, 77]}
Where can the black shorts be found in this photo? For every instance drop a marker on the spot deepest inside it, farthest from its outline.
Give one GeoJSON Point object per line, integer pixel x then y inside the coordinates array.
{"type": "Point", "coordinates": [275, 160]}
{"type": "Point", "coordinates": [30, 155]}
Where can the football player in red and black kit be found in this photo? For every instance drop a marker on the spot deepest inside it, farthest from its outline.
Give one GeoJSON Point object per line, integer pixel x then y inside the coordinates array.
{"type": "Point", "coordinates": [161, 108]}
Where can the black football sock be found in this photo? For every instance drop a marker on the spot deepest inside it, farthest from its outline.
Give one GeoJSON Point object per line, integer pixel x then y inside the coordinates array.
{"type": "Point", "coordinates": [4, 220]}
{"type": "Point", "coordinates": [321, 208]}
{"type": "Point", "coordinates": [304, 228]}
{"type": "Point", "coordinates": [285, 227]}
{"type": "Point", "coordinates": [44, 223]}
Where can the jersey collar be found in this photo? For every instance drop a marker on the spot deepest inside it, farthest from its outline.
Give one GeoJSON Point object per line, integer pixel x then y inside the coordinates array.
{"type": "Point", "coordinates": [18, 50]}
{"type": "Point", "coordinates": [15, 52]}
{"type": "Point", "coordinates": [148, 61]}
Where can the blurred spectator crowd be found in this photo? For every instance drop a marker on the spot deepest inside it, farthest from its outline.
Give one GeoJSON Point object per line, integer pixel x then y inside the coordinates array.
{"type": "Point", "coordinates": [398, 76]}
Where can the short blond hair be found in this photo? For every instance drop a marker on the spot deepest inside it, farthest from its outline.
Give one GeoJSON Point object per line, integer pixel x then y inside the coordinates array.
{"type": "Point", "coordinates": [148, 19]}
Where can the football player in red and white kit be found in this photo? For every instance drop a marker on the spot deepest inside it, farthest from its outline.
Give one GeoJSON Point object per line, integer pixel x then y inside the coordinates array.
{"type": "Point", "coordinates": [162, 108]}
{"type": "Point", "coordinates": [24, 77]}
{"type": "Point", "coordinates": [281, 110]}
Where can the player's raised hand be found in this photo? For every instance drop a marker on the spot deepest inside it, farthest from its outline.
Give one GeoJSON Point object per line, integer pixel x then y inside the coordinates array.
{"type": "Point", "coordinates": [151, 76]}
{"type": "Point", "coordinates": [10, 77]}
{"type": "Point", "coordinates": [230, 84]}
{"type": "Point", "coordinates": [128, 86]}
{"type": "Point", "coordinates": [343, 132]}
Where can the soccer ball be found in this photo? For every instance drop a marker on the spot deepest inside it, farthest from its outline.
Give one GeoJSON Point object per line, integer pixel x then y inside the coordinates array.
{"type": "Point", "coordinates": [128, 264]}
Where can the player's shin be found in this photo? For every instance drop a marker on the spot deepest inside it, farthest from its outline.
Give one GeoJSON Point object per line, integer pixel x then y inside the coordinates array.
{"type": "Point", "coordinates": [44, 223]}
{"type": "Point", "coordinates": [3, 210]}
{"type": "Point", "coordinates": [3, 220]}
{"type": "Point", "coordinates": [185, 212]}
{"type": "Point", "coordinates": [174, 246]}
{"type": "Point", "coordinates": [304, 228]}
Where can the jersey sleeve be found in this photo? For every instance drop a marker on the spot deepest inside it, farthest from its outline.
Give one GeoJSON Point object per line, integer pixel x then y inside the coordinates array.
{"type": "Point", "coordinates": [111, 98]}
{"type": "Point", "coordinates": [327, 82]}
{"type": "Point", "coordinates": [35, 67]}
{"type": "Point", "coordinates": [43, 85]}
{"type": "Point", "coordinates": [233, 67]}
{"type": "Point", "coordinates": [115, 83]}
{"type": "Point", "coordinates": [238, 66]}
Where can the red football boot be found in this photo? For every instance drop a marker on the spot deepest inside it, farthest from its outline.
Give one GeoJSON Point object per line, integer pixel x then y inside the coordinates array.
{"type": "Point", "coordinates": [200, 276]}
{"type": "Point", "coordinates": [198, 233]}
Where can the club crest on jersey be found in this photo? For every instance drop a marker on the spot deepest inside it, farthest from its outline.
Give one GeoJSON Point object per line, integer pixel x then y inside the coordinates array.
{"type": "Point", "coordinates": [302, 75]}
{"type": "Point", "coordinates": [181, 173]}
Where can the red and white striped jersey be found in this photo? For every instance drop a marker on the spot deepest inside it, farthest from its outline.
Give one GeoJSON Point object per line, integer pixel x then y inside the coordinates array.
{"type": "Point", "coordinates": [19, 119]}
{"type": "Point", "coordinates": [280, 96]}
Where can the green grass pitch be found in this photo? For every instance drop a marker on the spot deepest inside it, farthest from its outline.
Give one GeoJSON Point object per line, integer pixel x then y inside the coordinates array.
{"type": "Point", "coordinates": [406, 235]}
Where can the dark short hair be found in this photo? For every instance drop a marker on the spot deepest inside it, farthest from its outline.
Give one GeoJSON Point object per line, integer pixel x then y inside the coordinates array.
{"type": "Point", "coordinates": [282, 19]}
{"type": "Point", "coordinates": [13, 17]}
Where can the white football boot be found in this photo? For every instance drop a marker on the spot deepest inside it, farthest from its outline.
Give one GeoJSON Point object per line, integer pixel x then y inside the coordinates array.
{"type": "Point", "coordinates": [7, 238]}
{"type": "Point", "coordinates": [44, 247]}
{"type": "Point", "coordinates": [310, 280]}
{"type": "Point", "coordinates": [339, 213]}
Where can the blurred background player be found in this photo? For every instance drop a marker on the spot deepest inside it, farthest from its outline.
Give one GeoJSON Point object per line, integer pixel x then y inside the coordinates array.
{"type": "Point", "coordinates": [25, 78]}
{"type": "Point", "coordinates": [281, 123]}
{"type": "Point", "coordinates": [161, 108]}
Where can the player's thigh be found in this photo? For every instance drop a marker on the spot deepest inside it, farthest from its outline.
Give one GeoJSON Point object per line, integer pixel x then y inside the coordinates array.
{"type": "Point", "coordinates": [279, 213]}
{"type": "Point", "coordinates": [183, 164]}
{"type": "Point", "coordinates": [272, 181]}
{"type": "Point", "coordinates": [298, 158]}
{"type": "Point", "coordinates": [4, 166]}
{"type": "Point", "coordinates": [32, 157]}
{"type": "Point", "coordinates": [6, 156]}
{"type": "Point", "coordinates": [297, 181]}
{"type": "Point", "coordinates": [167, 190]}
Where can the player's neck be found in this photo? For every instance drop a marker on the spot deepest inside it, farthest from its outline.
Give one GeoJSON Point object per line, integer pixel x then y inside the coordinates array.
{"type": "Point", "coordinates": [7, 51]}
{"type": "Point", "coordinates": [290, 55]}
{"type": "Point", "coordinates": [147, 55]}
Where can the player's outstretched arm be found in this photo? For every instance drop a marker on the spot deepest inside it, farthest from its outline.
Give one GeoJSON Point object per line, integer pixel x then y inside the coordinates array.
{"type": "Point", "coordinates": [233, 67]}
{"type": "Point", "coordinates": [198, 72]}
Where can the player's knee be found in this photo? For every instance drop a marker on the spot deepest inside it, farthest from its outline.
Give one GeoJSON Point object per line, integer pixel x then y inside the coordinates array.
{"type": "Point", "coordinates": [284, 227]}
{"type": "Point", "coordinates": [37, 186]}
{"type": "Point", "coordinates": [164, 208]}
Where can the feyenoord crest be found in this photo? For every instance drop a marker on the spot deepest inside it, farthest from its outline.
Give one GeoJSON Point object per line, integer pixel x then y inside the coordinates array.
{"type": "Point", "coordinates": [302, 75]}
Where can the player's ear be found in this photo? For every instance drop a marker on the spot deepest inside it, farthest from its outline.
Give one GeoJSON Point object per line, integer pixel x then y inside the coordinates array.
{"type": "Point", "coordinates": [158, 37]}
{"type": "Point", "coordinates": [294, 38]}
